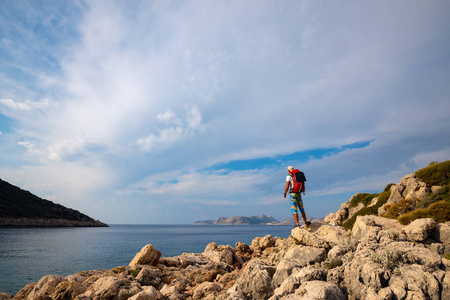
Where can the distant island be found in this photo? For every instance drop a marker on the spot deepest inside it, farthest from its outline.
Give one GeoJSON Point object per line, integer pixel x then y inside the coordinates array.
{"type": "Point", "coordinates": [20, 208]}
{"type": "Point", "coordinates": [249, 220]}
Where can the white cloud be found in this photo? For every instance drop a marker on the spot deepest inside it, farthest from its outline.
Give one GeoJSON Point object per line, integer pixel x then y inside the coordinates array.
{"type": "Point", "coordinates": [157, 86]}
{"type": "Point", "coordinates": [26, 105]}
{"type": "Point", "coordinates": [168, 136]}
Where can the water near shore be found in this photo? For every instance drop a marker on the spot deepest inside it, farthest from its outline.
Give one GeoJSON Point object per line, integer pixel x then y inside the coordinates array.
{"type": "Point", "coordinates": [27, 254]}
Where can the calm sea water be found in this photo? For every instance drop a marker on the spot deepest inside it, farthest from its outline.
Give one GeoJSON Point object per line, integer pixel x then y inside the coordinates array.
{"type": "Point", "coordinates": [27, 254]}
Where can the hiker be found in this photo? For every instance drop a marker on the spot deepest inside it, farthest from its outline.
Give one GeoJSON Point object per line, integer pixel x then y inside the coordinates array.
{"type": "Point", "coordinates": [296, 197]}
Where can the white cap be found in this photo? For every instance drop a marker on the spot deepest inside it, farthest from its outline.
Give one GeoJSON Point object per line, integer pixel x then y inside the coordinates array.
{"type": "Point", "coordinates": [290, 168]}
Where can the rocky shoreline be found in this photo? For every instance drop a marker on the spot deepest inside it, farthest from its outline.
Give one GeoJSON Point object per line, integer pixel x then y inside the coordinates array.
{"type": "Point", "coordinates": [378, 259]}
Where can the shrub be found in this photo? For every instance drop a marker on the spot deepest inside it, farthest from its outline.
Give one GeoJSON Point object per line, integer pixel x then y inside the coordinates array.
{"type": "Point", "coordinates": [439, 211]}
{"type": "Point", "coordinates": [435, 174]}
{"type": "Point", "coordinates": [333, 263]}
{"type": "Point", "coordinates": [135, 272]}
{"type": "Point", "coordinates": [447, 256]}
{"type": "Point", "coordinates": [371, 210]}
{"type": "Point", "coordinates": [388, 187]}
{"type": "Point", "coordinates": [393, 211]}
{"type": "Point", "coordinates": [364, 198]}
{"type": "Point", "coordinates": [442, 195]}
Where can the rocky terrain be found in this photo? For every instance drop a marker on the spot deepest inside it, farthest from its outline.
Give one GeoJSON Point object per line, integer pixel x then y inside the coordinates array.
{"type": "Point", "coordinates": [20, 208]}
{"type": "Point", "coordinates": [377, 258]}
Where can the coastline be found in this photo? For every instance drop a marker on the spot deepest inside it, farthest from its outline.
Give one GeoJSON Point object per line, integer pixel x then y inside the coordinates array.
{"type": "Point", "coordinates": [41, 222]}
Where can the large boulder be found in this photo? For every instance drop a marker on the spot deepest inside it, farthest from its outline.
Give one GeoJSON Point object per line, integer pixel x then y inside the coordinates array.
{"type": "Point", "coordinates": [223, 254]}
{"type": "Point", "coordinates": [68, 290]}
{"type": "Point", "coordinates": [149, 276]}
{"type": "Point", "coordinates": [147, 256]}
{"type": "Point", "coordinates": [45, 287]}
{"type": "Point", "coordinates": [206, 290]}
{"type": "Point", "coordinates": [261, 243]}
{"type": "Point", "coordinates": [372, 227]}
{"type": "Point", "coordinates": [256, 280]}
{"type": "Point", "coordinates": [308, 238]}
{"type": "Point", "coordinates": [420, 229]}
{"type": "Point", "coordinates": [317, 290]}
{"type": "Point", "coordinates": [148, 293]}
{"type": "Point", "coordinates": [293, 282]}
{"type": "Point", "coordinates": [104, 288]}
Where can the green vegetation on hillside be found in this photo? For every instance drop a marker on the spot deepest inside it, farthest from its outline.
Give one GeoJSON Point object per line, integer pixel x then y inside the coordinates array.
{"type": "Point", "coordinates": [439, 211]}
{"type": "Point", "coordinates": [371, 210]}
{"type": "Point", "coordinates": [436, 205]}
{"type": "Point", "coordinates": [435, 173]}
{"type": "Point", "coordinates": [364, 198]}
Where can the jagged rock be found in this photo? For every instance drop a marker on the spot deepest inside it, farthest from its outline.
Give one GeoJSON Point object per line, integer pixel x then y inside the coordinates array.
{"type": "Point", "coordinates": [147, 256]}
{"type": "Point", "coordinates": [261, 243]}
{"type": "Point", "coordinates": [149, 276]}
{"type": "Point", "coordinates": [373, 227]}
{"type": "Point", "coordinates": [243, 249]}
{"type": "Point", "coordinates": [332, 234]}
{"type": "Point", "coordinates": [307, 238]}
{"type": "Point", "coordinates": [5, 296]}
{"type": "Point", "coordinates": [293, 282]}
{"type": "Point", "coordinates": [211, 247]}
{"type": "Point", "coordinates": [68, 290]}
{"type": "Point", "coordinates": [442, 234]}
{"type": "Point", "coordinates": [206, 290]}
{"type": "Point", "coordinates": [256, 280]}
{"type": "Point", "coordinates": [25, 291]}
{"type": "Point", "coordinates": [104, 288]}
{"type": "Point", "coordinates": [285, 269]}
{"type": "Point", "coordinates": [306, 254]}
{"type": "Point", "coordinates": [317, 290]}
{"type": "Point", "coordinates": [45, 287]}
{"type": "Point", "coordinates": [223, 254]}
{"type": "Point", "coordinates": [419, 229]}
{"type": "Point", "coordinates": [148, 293]}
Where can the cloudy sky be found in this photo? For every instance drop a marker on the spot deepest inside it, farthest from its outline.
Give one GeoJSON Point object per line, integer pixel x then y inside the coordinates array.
{"type": "Point", "coordinates": [170, 112]}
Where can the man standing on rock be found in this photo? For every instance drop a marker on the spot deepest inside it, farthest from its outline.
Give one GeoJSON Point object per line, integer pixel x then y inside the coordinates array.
{"type": "Point", "coordinates": [296, 198]}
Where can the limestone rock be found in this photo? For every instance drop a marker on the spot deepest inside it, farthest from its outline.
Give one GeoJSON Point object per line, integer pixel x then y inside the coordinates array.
{"type": "Point", "coordinates": [5, 296]}
{"type": "Point", "coordinates": [307, 238]}
{"type": "Point", "coordinates": [148, 293]}
{"type": "Point", "coordinates": [419, 229]}
{"type": "Point", "coordinates": [104, 288]}
{"type": "Point", "coordinates": [284, 269]}
{"type": "Point", "coordinates": [149, 276]}
{"type": "Point", "coordinates": [306, 254]}
{"type": "Point", "coordinates": [317, 290]}
{"type": "Point", "coordinates": [206, 289]}
{"type": "Point", "coordinates": [68, 290]}
{"type": "Point", "coordinates": [261, 243]}
{"type": "Point", "coordinates": [256, 280]}
{"type": "Point", "coordinates": [147, 256]}
{"type": "Point", "coordinates": [45, 287]}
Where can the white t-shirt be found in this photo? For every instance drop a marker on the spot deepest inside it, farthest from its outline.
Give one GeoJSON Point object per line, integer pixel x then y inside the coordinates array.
{"type": "Point", "coordinates": [291, 181]}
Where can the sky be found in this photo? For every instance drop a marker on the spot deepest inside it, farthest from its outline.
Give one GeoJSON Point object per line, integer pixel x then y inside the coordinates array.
{"type": "Point", "coordinates": [171, 112]}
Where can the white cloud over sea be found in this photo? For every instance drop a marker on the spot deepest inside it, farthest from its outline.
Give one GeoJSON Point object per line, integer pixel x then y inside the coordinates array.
{"type": "Point", "coordinates": [170, 112]}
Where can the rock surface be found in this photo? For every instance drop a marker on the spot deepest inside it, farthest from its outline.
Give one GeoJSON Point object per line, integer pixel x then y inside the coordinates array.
{"type": "Point", "coordinates": [379, 259]}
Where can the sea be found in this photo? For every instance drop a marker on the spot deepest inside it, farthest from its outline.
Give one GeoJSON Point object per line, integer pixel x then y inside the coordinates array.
{"type": "Point", "coordinates": [28, 254]}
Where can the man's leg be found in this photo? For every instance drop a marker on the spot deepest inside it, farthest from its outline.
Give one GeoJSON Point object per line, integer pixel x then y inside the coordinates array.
{"type": "Point", "coordinates": [304, 217]}
{"type": "Point", "coordinates": [296, 219]}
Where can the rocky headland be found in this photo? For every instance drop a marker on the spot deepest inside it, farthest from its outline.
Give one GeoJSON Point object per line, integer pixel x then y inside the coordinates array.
{"type": "Point", "coordinates": [375, 257]}
{"type": "Point", "coordinates": [20, 208]}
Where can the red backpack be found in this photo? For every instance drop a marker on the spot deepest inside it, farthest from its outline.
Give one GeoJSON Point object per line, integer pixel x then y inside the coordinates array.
{"type": "Point", "coordinates": [299, 181]}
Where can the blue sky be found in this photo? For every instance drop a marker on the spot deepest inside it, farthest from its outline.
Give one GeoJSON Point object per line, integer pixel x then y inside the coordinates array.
{"type": "Point", "coordinates": [169, 112]}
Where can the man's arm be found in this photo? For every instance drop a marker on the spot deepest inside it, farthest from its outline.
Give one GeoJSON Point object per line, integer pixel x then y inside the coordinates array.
{"type": "Point", "coordinates": [286, 188]}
